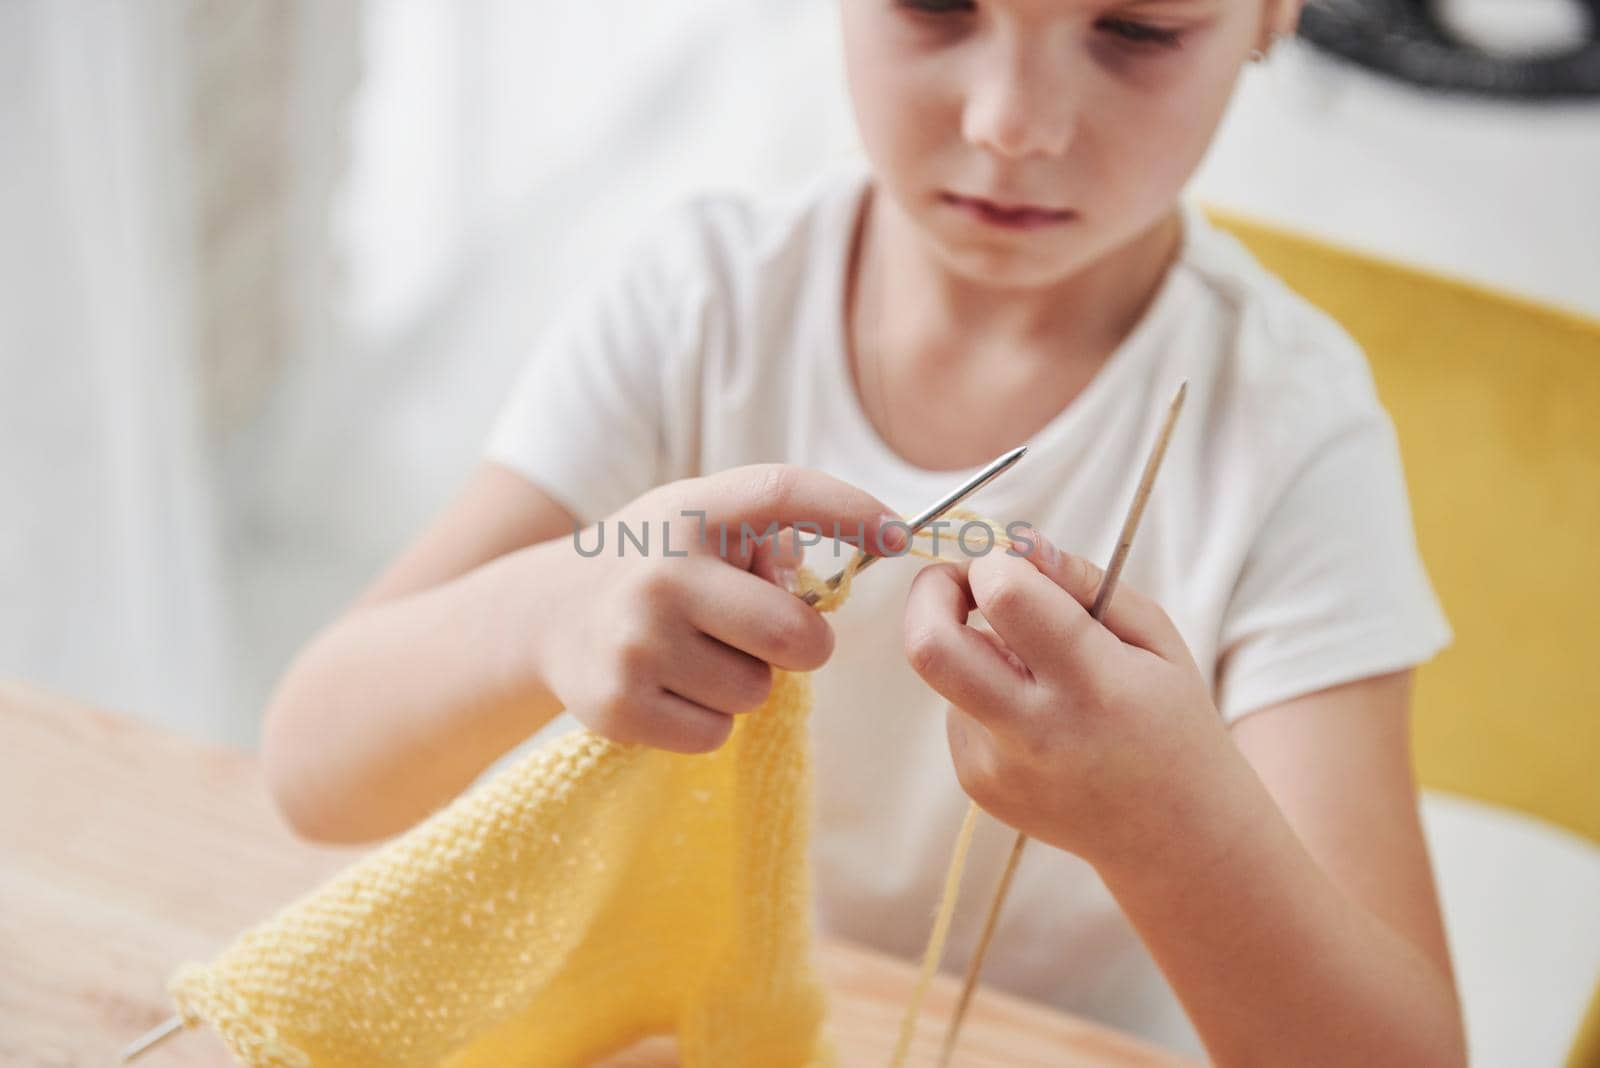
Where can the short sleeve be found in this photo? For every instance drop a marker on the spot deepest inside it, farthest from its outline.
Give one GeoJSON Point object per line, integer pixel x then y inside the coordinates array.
{"type": "Point", "coordinates": [593, 413]}
{"type": "Point", "coordinates": [1333, 588]}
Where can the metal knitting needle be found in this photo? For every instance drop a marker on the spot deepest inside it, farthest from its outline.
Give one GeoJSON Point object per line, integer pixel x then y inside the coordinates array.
{"type": "Point", "coordinates": [934, 511]}
{"type": "Point", "coordinates": [1102, 599]}
{"type": "Point", "coordinates": [155, 1036]}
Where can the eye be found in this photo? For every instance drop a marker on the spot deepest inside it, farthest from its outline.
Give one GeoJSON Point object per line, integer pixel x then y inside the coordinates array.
{"type": "Point", "coordinates": [1142, 34]}
{"type": "Point", "coordinates": [938, 7]}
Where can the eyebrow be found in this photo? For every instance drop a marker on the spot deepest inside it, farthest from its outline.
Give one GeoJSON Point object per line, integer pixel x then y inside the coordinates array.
{"type": "Point", "coordinates": [1183, 5]}
{"type": "Point", "coordinates": [1175, 7]}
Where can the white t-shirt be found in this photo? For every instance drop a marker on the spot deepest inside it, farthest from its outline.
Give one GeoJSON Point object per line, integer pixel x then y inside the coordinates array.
{"type": "Point", "coordinates": [1278, 537]}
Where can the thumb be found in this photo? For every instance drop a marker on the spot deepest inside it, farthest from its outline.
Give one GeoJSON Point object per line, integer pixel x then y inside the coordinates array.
{"type": "Point", "coordinates": [1130, 615]}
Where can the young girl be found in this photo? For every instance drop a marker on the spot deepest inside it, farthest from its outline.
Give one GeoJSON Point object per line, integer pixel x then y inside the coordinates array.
{"type": "Point", "coordinates": [1221, 766]}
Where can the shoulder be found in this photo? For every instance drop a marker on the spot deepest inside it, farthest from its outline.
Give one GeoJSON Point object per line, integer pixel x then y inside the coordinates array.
{"type": "Point", "coordinates": [1281, 363]}
{"type": "Point", "coordinates": [749, 246]}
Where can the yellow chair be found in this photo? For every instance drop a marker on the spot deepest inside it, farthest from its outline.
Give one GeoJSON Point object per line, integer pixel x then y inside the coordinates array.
{"type": "Point", "coordinates": [1497, 405]}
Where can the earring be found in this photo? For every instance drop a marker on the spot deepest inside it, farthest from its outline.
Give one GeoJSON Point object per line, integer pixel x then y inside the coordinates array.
{"type": "Point", "coordinates": [1259, 55]}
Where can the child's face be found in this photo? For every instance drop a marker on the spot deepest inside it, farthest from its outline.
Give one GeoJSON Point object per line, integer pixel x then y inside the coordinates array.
{"type": "Point", "coordinates": [1097, 108]}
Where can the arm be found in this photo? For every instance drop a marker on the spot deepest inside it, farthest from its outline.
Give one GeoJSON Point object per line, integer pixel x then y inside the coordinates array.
{"type": "Point", "coordinates": [394, 707]}
{"type": "Point", "coordinates": [1307, 929]}
{"type": "Point", "coordinates": [482, 632]}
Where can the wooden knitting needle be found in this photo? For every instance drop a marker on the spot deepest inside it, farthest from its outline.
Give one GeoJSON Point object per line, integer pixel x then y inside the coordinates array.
{"type": "Point", "coordinates": [1102, 598]}
{"type": "Point", "coordinates": [932, 512]}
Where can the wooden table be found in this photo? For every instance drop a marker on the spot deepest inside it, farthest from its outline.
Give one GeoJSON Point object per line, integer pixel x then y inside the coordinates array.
{"type": "Point", "coordinates": [125, 851]}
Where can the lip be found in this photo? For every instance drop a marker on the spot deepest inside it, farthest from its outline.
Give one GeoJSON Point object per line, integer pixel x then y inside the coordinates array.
{"type": "Point", "coordinates": [1008, 216]}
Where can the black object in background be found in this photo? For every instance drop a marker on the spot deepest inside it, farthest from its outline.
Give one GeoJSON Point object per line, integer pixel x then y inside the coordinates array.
{"type": "Point", "coordinates": [1405, 39]}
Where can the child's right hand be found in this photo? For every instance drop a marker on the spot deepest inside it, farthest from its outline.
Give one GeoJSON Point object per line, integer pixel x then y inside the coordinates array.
{"type": "Point", "coordinates": [665, 650]}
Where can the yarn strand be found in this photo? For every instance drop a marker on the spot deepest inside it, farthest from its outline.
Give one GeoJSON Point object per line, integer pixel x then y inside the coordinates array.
{"type": "Point", "coordinates": [941, 930]}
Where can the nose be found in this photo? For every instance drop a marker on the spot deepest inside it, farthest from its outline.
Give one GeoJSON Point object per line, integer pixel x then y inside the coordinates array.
{"type": "Point", "coordinates": [1022, 103]}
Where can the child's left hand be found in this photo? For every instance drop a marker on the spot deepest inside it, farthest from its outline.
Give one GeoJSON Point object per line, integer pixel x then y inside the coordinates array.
{"type": "Point", "coordinates": [1091, 736]}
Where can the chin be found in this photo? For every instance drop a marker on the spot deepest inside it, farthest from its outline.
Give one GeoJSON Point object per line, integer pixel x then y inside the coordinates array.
{"type": "Point", "coordinates": [1009, 264]}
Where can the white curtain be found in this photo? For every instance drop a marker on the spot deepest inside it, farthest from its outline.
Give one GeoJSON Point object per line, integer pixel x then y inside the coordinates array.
{"type": "Point", "coordinates": [108, 556]}
{"type": "Point", "coordinates": [163, 196]}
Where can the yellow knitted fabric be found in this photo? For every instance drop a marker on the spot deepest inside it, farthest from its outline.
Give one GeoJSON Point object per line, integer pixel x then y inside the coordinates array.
{"type": "Point", "coordinates": [588, 896]}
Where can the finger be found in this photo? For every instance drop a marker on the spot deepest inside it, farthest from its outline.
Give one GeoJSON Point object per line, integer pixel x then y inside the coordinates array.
{"type": "Point", "coordinates": [787, 549]}
{"type": "Point", "coordinates": [962, 664]}
{"type": "Point", "coordinates": [1034, 617]}
{"type": "Point", "coordinates": [1003, 651]}
{"type": "Point", "coordinates": [763, 562]}
{"type": "Point", "coordinates": [776, 558]}
{"type": "Point", "coordinates": [1129, 614]}
{"type": "Point", "coordinates": [755, 496]}
{"type": "Point", "coordinates": [972, 751]}
{"type": "Point", "coordinates": [756, 617]}
{"type": "Point", "coordinates": [668, 721]}
{"type": "Point", "coordinates": [717, 676]}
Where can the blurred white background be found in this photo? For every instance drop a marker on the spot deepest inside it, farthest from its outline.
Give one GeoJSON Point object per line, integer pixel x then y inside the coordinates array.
{"type": "Point", "coordinates": [269, 265]}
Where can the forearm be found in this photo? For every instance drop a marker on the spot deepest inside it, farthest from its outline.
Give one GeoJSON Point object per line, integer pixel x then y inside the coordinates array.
{"type": "Point", "coordinates": [396, 708]}
{"type": "Point", "coordinates": [1273, 962]}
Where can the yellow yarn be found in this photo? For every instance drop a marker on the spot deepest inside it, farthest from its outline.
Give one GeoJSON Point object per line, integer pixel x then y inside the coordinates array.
{"type": "Point", "coordinates": [586, 897]}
